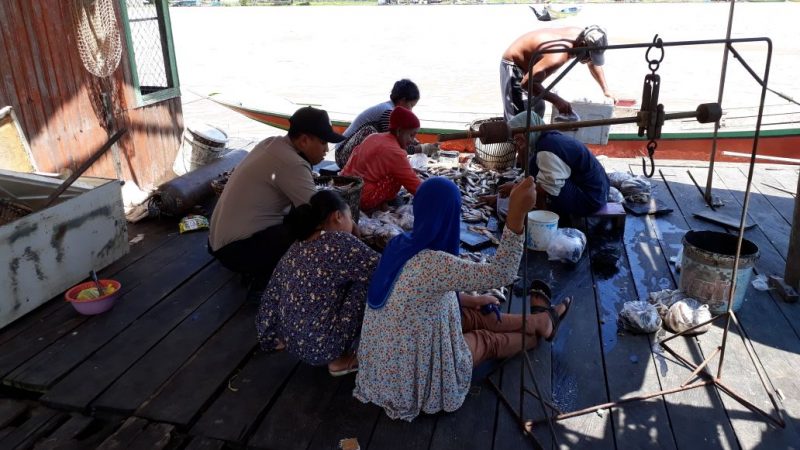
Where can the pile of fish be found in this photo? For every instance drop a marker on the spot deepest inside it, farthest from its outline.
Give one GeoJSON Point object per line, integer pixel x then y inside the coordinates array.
{"type": "Point", "coordinates": [473, 181]}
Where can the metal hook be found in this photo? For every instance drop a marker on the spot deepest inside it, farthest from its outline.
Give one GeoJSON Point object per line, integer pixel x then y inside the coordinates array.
{"type": "Point", "coordinates": [652, 167]}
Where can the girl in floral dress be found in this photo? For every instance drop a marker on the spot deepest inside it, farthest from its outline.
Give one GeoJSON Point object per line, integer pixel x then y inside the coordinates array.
{"type": "Point", "coordinates": [315, 300]}
{"type": "Point", "coordinates": [418, 345]}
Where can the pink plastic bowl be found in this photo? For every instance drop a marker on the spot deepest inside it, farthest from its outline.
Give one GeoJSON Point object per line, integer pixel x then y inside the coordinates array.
{"type": "Point", "coordinates": [97, 305]}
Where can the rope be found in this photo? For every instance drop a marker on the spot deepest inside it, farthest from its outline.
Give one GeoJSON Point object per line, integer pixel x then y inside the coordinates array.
{"type": "Point", "coordinates": [97, 35]}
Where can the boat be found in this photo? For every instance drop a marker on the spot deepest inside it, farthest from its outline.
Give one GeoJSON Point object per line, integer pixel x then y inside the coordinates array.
{"type": "Point", "coordinates": [550, 12]}
{"type": "Point", "coordinates": [779, 139]}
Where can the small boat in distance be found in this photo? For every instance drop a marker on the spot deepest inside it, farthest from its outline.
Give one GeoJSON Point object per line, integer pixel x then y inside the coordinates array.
{"type": "Point", "coordinates": [680, 140]}
{"type": "Point", "coordinates": [550, 12]}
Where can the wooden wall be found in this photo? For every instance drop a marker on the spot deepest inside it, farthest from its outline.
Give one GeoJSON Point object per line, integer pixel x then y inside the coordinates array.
{"type": "Point", "coordinates": [59, 103]}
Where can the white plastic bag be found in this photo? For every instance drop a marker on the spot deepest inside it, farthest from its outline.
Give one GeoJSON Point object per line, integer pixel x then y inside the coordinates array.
{"type": "Point", "coordinates": [640, 317]}
{"type": "Point", "coordinates": [614, 195]}
{"type": "Point", "coordinates": [686, 313]}
{"type": "Point", "coordinates": [419, 161]}
{"type": "Point", "coordinates": [617, 178]}
{"type": "Point", "coordinates": [567, 245]}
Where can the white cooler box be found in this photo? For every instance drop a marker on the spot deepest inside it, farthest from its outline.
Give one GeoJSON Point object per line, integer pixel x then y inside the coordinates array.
{"type": "Point", "coordinates": [589, 111]}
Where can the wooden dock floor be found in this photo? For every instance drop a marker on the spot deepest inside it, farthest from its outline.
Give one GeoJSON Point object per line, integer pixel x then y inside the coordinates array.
{"type": "Point", "coordinates": [175, 364]}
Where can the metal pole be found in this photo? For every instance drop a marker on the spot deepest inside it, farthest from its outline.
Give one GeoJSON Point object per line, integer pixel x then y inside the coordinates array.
{"type": "Point", "coordinates": [745, 205]}
{"type": "Point", "coordinates": [722, 75]}
{"type": "Point", "coordinates": [792, 275]}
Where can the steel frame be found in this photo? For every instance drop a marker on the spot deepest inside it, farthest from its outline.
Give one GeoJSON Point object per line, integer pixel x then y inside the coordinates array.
{"type": "Point", "coordinates": [698, 370]}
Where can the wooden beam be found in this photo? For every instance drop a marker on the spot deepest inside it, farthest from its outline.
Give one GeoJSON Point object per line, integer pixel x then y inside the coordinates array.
{"type": "Point", "coordinates": [792, 275]}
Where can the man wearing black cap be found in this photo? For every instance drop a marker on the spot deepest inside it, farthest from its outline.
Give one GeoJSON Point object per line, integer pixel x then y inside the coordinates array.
{"type": "Point", "coordinates": [514, 79]}
{"type": "Point", "coordinates": [247, 233]}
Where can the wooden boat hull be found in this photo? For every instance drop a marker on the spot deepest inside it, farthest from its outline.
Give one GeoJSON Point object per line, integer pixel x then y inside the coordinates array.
{"type": "Point", "coordinates": [676, 146]}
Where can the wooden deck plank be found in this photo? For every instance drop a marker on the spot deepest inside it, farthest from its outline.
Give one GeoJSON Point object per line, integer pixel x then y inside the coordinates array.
{"type": "Point", "coordinates": [126, 433]}
{"type": "Point", "coordinates": [41, 422]}
{"type": "Point", "coordinates": [697, 417]}
{"type": "Point", "coordinates": [782, 199]}
{"type": "Point", "coordinates": [771, 259]}
{"type": "Point", "coordinates": [578, 376]}
{"type": "Point", "coordinates": [36, 318]}
{"type": "Point", "coordinates": [62, 318]}
{"type": "Point", "coordinates": [508, 433]}
{"type": "Point", "coordinates": [739, 371]}
{"type": "Point", "coordinates": [401, 435]}
{"type": "Point", "coordinates": [64, 438]}
{"type": "Point", "coordinates": [34, 339]}
{"type": "Point", "coordinates": [469, 427]}
{"type": "Point", "coordinates": [149, 236]}
{"type": "Point", "coordinates": [769, 220]}
{"type": "Point", "coordinates": [783, 178]}
{"type": "Point", "coordinates": [41, 371]}
{"type": "Point", "coordinates": [298, 412]}
{"type": "Point", "coordinates": [84, 383]}
{"type": "Point", "coordinates": [629, 366]}
{"type": "Point", "coordinates": [345, 417]}
{"type": "Point", "coordinates": [180, 400]}
{"type": "Point", "coordinates": [232, 415]}
{"type": "Point", "coordinates": [201, 443]}
{"type": "Point", "coordinates": [141, 380]}
{"type": "Point", "coordinates": [10, 410]}
{"type": "Point", "coordinates": [155, 437]}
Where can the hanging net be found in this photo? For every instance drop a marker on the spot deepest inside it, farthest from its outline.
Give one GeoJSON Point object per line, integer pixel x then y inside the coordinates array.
{"type": "Point", "coordinates": [98, 35]}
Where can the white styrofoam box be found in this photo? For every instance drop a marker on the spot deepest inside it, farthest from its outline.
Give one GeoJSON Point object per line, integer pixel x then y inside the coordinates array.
{"type": "Point", "coordinates": [48, 251]}
{"type": "Point", "coordinates": [590, 111]}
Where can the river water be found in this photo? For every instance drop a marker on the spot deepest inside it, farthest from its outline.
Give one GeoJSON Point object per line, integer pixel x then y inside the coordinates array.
{"type": "Point", "coordinates": [346, 58]}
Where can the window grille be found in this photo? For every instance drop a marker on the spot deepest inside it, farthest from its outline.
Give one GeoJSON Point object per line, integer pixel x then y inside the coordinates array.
{"type": "Point", "coordinates": [150, 49]}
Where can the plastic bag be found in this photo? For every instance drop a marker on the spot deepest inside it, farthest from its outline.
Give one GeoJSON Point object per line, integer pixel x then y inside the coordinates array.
{"type": "Point", "coordinates": [760, 283]}
{"type": "Point", "coordinates": [617, 178]}
{"type": "Point", "coordinates": [192, 222]}
{"type": "Point", "coordinates": [567, 245]}
{"type": "Point", "coordinates": [419, 161]}
{"type": "Point", "coordinates": [636, 190]}
{"type": "Point", "coordinates": [677, 259]}
{"type": "Point", "coordinates": [666, 297]}
{"type": "Point", "coordinates": [686, 313]}
{"type": "Point", "coordinates": [614, 195]}
{"type": "Point", "coordinates": [640, 317]}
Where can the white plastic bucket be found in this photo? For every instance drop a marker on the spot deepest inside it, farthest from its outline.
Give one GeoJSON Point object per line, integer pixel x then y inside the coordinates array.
{"type": "Point", "coordinates": [542, 226]}
{"type": "Point", "coordinates": [200, 146]}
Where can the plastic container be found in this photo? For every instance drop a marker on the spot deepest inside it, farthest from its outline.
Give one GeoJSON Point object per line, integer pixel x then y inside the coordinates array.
{"type": "Point", "coordinates": [542, 226]}
{"type": "Point", "coordinates": [590, 111]}
{"type": "Point", "coordinates": [707, 268]}
{"type": "Point", "coordinates": [201, 145]}
{"type": "Point", "coordinates": [448, 158]}
{"type": "Point", "coordinates": [93, 306]}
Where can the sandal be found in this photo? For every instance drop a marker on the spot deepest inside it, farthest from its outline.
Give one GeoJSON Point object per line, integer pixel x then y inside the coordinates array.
{"type": "Point", "coordinates": [540, 289]}
{"type": "Point", "coordinates": [352, 366]}
{"type": "Point", "coordinates": [555, 319]}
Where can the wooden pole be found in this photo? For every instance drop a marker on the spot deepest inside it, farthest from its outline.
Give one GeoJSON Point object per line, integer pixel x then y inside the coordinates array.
{"type": "Point", "coordinates": [792, 275]}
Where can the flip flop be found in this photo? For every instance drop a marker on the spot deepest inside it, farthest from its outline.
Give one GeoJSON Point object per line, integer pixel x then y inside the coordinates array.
{"type": "Point", "coordinates": [349, 369]}
{"type": "Point", "coordinates": [541, 289]}
{"type": "Point", "coordinates": [555, 319]}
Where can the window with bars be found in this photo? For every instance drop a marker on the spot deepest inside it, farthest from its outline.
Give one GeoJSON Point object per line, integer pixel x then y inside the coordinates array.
{"type": "Point", "coordinates": [152, 56]}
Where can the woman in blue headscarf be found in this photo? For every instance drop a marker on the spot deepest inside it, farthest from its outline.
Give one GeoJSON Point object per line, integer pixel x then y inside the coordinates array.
{"type": "Point", "coordinates": [418, 345]}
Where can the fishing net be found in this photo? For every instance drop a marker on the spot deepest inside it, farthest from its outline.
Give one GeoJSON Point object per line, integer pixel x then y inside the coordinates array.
{"type": "Point", "coordinates": [98, 36]}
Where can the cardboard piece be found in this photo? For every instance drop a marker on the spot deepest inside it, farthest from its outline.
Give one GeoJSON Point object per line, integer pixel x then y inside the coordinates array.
{"type": "Point", "coordinates": [654, 207]}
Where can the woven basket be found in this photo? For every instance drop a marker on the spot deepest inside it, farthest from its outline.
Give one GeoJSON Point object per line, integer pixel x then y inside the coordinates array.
{"type": "Point", "coordinates": [11, 211]}
{"type": "Point", "coordinates": [351, 194]}
{"type": "Point", "coordinates": [494, 156]}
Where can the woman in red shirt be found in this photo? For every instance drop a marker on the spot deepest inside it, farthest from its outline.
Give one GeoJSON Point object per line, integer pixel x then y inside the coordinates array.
{"type": "Point", "coordinates": [382, 162]}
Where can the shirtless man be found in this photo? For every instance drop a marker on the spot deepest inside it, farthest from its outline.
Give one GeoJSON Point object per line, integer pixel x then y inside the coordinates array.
{"type": "Point", "coordinates": [514, 79]}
